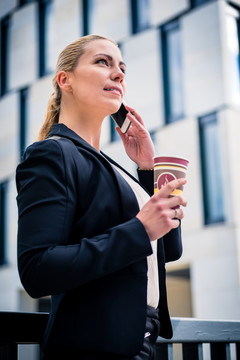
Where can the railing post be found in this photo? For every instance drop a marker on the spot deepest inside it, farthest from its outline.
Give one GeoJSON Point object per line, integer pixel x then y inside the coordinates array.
{"type": "Point", "coordinates": [190, 351]}
{"type": "Point", "coordinates": [238, 350]}
{"type": "Point", "coordinates": [218, 351]}
{"type": "Point", "coordinates": [8, 352]}
{"type": "Point", "coordinates": [162, 351]}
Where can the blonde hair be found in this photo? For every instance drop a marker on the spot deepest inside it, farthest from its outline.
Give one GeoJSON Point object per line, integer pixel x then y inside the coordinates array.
{"type": "Point", "coordinates": [67, 61]}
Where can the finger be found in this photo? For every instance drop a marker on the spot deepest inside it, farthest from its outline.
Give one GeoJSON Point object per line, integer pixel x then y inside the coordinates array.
{"type": "Point", "coordinates": [175, 223]}
{"type": "Point", "coordinates": [176, 201]}
{"type": "Point", "coordinates": [177, 214]}
{"type": "Point", "coordinates": [136, 124]}
{"type": "Point", "coordinates": [167, 189]}
{"type": "Point", "coordinates": [135, 115]}
{"type": "Point", "coordinates": [120, 133]}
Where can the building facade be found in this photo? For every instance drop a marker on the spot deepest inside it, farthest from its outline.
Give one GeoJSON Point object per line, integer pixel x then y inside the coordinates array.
{"type": "Point", "coordinates": [183, 77]}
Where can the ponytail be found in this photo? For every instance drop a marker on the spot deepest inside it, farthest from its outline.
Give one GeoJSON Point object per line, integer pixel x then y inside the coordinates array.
{"type": "Point", "coordinates": [52, 113]}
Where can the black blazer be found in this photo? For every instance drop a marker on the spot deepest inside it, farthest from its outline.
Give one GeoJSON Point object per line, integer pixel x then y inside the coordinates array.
{"type": "Point", "coordinates": [79, 241]}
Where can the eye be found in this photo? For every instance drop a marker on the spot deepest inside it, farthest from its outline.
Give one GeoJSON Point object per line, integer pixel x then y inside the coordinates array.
{"type": "Point", "coordinates": [123, 70]}
{"type": "Point", "coordinates": [102, 61]}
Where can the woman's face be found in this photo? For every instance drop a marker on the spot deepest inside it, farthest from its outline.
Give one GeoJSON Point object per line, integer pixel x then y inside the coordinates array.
{"type": "Point", "coordinates": [98, 79]}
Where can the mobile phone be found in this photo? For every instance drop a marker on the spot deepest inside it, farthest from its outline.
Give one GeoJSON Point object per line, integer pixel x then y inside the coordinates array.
{"type": "Point", "coordinates": [120, 118]}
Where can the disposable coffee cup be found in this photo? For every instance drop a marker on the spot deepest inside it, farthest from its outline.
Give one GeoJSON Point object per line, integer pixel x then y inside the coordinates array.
{"type": "Point", "coordinates": [168, 168]}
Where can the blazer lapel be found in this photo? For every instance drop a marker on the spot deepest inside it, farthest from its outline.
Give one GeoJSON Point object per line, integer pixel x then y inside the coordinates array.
{"type": "Point", "coordinates": [128, 199]}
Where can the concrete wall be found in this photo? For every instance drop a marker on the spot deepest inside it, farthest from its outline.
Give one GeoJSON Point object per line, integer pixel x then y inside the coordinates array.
{"type": "Point", "coordinates": [23, 47]}
{"type": "Point", "coordinates": [163, 11]}
{"type": "Point", "coordinates": [9, 136]}
{"type": "Point", "coordinates": [67, 24]}
{"type": "Point", "coordinates": [202, 60]}
{"type": "Point", "coordinates": [112, 19]}
{"type": "Point", "coordinates": [144, 76]}
{"type": "Point", "coordinates": [39, 94]}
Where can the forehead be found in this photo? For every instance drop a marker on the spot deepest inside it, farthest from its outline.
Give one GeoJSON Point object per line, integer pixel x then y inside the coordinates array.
{"type": "Point", "coordinates": [102, 46]}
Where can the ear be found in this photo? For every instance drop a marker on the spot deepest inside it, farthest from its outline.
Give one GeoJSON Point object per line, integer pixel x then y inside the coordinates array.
{"type": "Point", "coordinates": [64, 82]}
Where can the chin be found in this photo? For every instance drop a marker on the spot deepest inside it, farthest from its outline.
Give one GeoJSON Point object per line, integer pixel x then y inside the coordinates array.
{"type": "Point", "coordinates": [114, 107]}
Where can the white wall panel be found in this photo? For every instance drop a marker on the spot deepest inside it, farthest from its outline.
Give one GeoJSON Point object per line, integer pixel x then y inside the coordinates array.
{"type": "Point", "coordinates": [230, 53]}
{"type": "Point", "coordinates": [67, 24]}
{"type": "Point", "coordinates": [7, 6]}
{"type": "Point", "coordinates": [162, 10]}
{"type": "Point", "coordinates": [23, 46]}
{"type": "Point", "coordinates": [9, 136]}
{"type": "Point", "coordinates": [230, 151]}
{"type": "Point", "coordinates": [38, 99]}
{"type": "Point", "coordinates": [202, 60]}
{"type": "Point", "coordinates": [112, 18]}
{"type": "Point", "coordinates": [144, 77]}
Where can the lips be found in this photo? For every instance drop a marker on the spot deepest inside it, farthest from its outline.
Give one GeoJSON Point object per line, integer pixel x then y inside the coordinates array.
{"type": "Point", "coordinates": [114, 89]}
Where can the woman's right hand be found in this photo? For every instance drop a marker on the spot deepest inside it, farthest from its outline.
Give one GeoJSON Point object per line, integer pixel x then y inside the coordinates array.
{"type": "Point", "coordinates": [158, 215]}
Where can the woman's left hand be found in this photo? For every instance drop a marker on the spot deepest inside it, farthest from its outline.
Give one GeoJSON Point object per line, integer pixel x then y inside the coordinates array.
{"type": "Point", "coordinates": [137, 141]}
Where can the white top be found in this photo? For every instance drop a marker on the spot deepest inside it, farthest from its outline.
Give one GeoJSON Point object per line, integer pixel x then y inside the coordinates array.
{"type": "Point", "coordinates": [153, 288]}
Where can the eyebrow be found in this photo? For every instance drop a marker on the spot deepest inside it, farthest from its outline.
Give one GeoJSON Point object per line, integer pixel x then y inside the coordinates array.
{"type": "Point", "coordinates": [110, 58]}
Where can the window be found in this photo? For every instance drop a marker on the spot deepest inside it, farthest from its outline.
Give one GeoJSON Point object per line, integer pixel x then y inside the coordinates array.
{"type": "Point", "coordinates": [45, 23]}
{"type": "Point", "coordinates": [4, 76]}
{"type": "Point", "coordinates": [211, 169]}
{"type": "Point", "coordinates": [23, 2]}
{"type": "Point", "coordinates": [140, 10]}
{"type": "Point", "coordinates": [3, 222]}
{"type": "Point", "coordinates": [195, 3]}
{"type": "Point", "coordinates": [233, 45]}
{"type": "Point", "coordinates": [88, 6]}
{"type": "Point", "coordinates": [114, 135]}
{"type": "Point", "coordinates": [172, 71]}
{"type": "Point", "coordinates": [23, 119]}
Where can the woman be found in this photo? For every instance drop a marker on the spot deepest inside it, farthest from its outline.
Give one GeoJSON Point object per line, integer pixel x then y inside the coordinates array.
{"type": "Point", "coordinates": [87, 229]}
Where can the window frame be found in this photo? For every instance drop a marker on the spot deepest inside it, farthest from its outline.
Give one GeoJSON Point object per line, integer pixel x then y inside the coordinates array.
{"type": "Point", "coordinates": [3, 222]}
{"type": "Point", "coordinates": [5, 46]}
{"type": "Point", "coordinates": [87, 10]}
{"type": "Point", "coordinates": [42, 37]}
{"type": "Point", "coordinates": [24, 2]}
{"type": "Point", "coordinates": [23, 113]}
{"type": "Point", "coordinates": [165, 30]}
{"type": "Point", "coordinates": [135, 17]}
{"type": "Point", "coordinates": [203, 121]}
{"type": "Point", "coordinates": [196, 3]}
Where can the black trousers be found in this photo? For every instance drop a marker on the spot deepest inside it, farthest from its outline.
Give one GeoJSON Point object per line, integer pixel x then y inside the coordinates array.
{"type": "Point", "coordinates": [147, 352]}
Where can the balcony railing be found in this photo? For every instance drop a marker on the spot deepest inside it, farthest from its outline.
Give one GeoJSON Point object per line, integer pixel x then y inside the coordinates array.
{"type": "Point", "coordinates": [197, 339]}
{"type": "Point", "coordinates": [202, 339]}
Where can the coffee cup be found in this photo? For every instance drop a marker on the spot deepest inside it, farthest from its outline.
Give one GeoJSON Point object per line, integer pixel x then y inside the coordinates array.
{"type": "Point", "coordinates": [168, 168]}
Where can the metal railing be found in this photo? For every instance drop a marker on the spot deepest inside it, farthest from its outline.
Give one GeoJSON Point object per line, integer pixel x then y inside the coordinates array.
{"type": "Point", "coordinates": [201, 339]}
{"type": "Point", "coordinates": [19, 328]}
{"type": "Point", "coordinates": [196, 339]}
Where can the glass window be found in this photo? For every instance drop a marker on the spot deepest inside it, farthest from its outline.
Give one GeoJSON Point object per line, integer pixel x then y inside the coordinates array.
{"type": "Point", "coordinates": [211, 169]}
{"type": "Point", "coordinates": [114, 135]}
{"type": "Point", "coordinates": [23, 119]}
{"type": "Point", "coordinates": [172, 71]}
{"type": "Point", "coordinates": [195, 3]}
{"type": "Point", "coordinates": [88, 6]}
{"type": "Point", "coordinates": [140, 10]}
{"type": "Point", "coordinates": [3, 222]}
{"type": "Point", "coordinates": [23, 2]}
{"type": "Point", "coordinates": [4, 76]}
{"type": "Point", "coordinates": [45, 32]}
{"type": "Point", "coordinates": [234, 57]}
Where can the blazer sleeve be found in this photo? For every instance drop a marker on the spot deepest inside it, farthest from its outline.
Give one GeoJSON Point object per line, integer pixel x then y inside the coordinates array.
{"type": "Point", "coordinates": [46, 200]}
{"type": "Point", "coordinates": [172, 240]}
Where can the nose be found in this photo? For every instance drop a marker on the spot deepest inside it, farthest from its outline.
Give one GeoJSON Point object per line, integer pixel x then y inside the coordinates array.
{"type": "Point", "coordinates": [117, 74]}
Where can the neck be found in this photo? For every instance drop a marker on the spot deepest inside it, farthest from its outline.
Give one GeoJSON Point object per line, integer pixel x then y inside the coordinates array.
{"type": "Point", "coordinates": [85, 124]}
